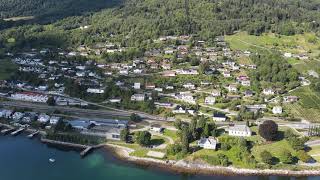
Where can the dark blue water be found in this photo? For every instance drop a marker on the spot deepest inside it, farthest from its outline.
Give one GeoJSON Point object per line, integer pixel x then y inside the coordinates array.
{"type": "Point", "coordinates": [25, 159]}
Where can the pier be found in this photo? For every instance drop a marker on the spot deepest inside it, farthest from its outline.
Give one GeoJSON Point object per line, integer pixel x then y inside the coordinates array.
{"type": "Point", "coordinates": [33, 134]}
{"type": "Point", "coordinates": [6, 131]}
{"type": "Point", "coordinates": [14, 133]}
{"type": "Point", "coordinates": [86, 151]}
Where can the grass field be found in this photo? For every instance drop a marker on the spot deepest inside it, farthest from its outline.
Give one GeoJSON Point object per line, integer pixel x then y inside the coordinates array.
{"type": "Point", "coordinates": [171, 134]}
{"type": "Point", "coordinates": [315, 153]}
{"type": "Point", "coordinates": [7, 69]}
{"type": "Point", "coordinates": [302, 43]}
{"type": "Point", "coordinates": [274, 148]}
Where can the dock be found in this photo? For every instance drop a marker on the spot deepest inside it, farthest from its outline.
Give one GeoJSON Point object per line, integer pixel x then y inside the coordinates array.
{"type": "Point", "coordinates": [6, 131]}
{"type": "Point", "coordinates": [14, 133]}
{"type": "Point", "coordinates": [33, 134]}
{"type": "Point", "coordinates": [86, 151]}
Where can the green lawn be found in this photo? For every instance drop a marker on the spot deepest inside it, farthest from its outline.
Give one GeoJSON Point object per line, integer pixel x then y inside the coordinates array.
{"type": "Point", "coordinates": [274, 148]}
{"type": "Point", "coordinates": [172, 134]}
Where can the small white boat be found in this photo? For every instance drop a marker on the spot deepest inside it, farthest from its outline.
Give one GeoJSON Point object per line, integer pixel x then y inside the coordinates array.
{"type": "Point", "coordinates": [52, 160]}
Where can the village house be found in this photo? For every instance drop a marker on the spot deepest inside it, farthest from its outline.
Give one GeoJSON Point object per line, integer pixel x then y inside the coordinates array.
{"type": "Point", "coordinates": [240, 130]}
{"type": "Point", "coordinates": [210, 100]}
{"type": "Point", "coordinates": [208, 143]}
{"type": "Point", "coordinates": [226, 74]}
{"type": "Point", "coordinates": [189, 86]}
{"type": "Point", "coordinates": [136, 86]}
{"type": "Point", "coordinates": [43, 118]}
{"type": "Point", "coordinates": [290, 99]}
{"type": "Point", "coordinates": [268, 91]}
{"type": "Point", "coordinates": [186, 96]}
{"type": "Point", "coordinates": [156, 128]}
{"type": "Point", "coordinates": [216, 93]}
{"type": "Point", "coordinates": [277, 110]}
{"type": "Point", "coordinates": [54, 120]}
{"type": "Point", "coordinates": [232, 88]}
{"type": "Point", "coordinates": [179, 110]}
{"type": "Point", "coordinates": [150, 86]}
{"type": "Point", "coordinates": [17, 116]}
{"type": "Point", "coordinates": [248, 93]}
{"type": "Point", "coordinates": [95, 91]}
{"type": "Point", "coordinates": [219, 117]}
{"type": "Point", "coordinates": [138, 97]}
{"type": "Point", "coordinates": [169, 74]}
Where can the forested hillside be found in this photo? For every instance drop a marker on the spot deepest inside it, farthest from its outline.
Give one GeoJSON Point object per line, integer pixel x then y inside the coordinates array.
{"type": "Point", "coordinates": [50, 10]}
{"type": "Point", "coordinates": [134, 21]}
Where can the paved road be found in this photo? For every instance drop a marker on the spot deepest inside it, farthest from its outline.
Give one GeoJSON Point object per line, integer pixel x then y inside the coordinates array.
{"type": "Point", "coordinates": [76, 111]}
{"type": "Point", "coordinates": [313, 143]}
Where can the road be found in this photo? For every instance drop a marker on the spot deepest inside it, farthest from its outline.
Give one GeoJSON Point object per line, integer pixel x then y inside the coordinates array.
{"type": "Point", "coordinates": [76, 111]}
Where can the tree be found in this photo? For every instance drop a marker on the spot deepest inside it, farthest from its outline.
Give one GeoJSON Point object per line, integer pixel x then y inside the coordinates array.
{"type": "Point", "coordinates": [51, 101]}
{"type": "Point", "coordinates": [268, 130]}
{"type": "Point", "coordinates": [193, 128]}
{"type": "Point", "coordinates": [185, 140]}
{"type": "Point", "coordinates": [143, 138]}
{"type": "Point", "coordinates": [124, 134]}
{"type": "Point", "coordinates": [297, 143]}
{"type": "Point", "coordinates": [266, 157]}
{"type": "Point", "coordinates": [286, 157]}
{"type": "Point", "coordinates": [178, 123]}
{"type": "Point", "coordinates": [135, 117]}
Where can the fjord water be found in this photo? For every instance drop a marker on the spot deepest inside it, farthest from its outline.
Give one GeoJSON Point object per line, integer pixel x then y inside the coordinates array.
{"type": "Point", "coordinates": [25, 159]}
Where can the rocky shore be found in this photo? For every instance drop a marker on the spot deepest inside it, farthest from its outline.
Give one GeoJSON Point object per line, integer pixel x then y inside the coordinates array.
{"type": "Point", "coordinates": [183, 166]}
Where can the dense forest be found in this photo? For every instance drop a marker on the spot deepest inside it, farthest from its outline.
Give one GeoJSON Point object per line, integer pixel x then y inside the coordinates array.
{"type": "Point", "coordinates": [133, 22]}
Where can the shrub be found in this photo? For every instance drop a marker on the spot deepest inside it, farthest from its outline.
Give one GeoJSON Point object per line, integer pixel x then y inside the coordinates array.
{"type": "Point", "coordinates": [303, 156]}
{"type": "Point", "coordinates": [143, 138]}
{"type": "Point", "coordinates": [266, 157]}
{"type": "Point", "coordinates": [286, 157]}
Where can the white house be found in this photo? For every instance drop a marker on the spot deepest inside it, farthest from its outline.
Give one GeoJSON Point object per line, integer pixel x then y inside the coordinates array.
{"type": "Point", "coordinates": [208, 143]}
{"type": "Point", "coordinates": [232, 88]}
{"type": "Point", "coordinates": [138, 97]}
{"type": "Point", "coordinates": [179, 110]}
{"type": "Point", "coordinates": [43, 118]}
{"type": "Point", "coordinates": [277, 110]}
{"type": "Point", "coordinates": [95, 91]}
{"type": "Point", "coordinates": [54, 120]}
{"type": "Point", "coordinates": [136, 85]}
{"type": "Point", "coordinates": [156, 128]}
{"type": "Point", "coordinates": [268, 91]}
{"type": "Point", "coordinates": [210, 100]}
{"type": "Point", "coordinates": [240, 130]}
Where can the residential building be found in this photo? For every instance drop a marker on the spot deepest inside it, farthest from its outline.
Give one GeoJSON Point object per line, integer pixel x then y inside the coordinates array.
{"type": "Point", "coordinates": [138, 97]}
{"type": "Point", "coordinates": [208, 143]}
{"type": "Point", "coordinates": [240, 130]}
{"type": "Point", "coordinates": [219, 117]}
{"type": "Point", "coordinates": [210, 100]}
{"type": "Point", "coordinates": [277, 110]}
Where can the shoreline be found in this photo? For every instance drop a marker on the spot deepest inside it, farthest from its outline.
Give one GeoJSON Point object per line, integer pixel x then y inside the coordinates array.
{"type": "Point", "coordinates": [198, 168]}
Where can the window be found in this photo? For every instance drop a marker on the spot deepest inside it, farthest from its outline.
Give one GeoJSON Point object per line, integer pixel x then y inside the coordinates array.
{"type": "Point", "coordinates": [115, 136]}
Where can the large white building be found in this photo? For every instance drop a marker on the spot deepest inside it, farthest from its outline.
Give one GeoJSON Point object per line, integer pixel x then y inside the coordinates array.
{"type": "Point", "coordinates": [240, 130]}
{"type": "Point", "coordinates": [138, 97]}
{"type": "Point", "coordinates": [30, 96]}
{"type": "Point", "coordinates": [95, 91]}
